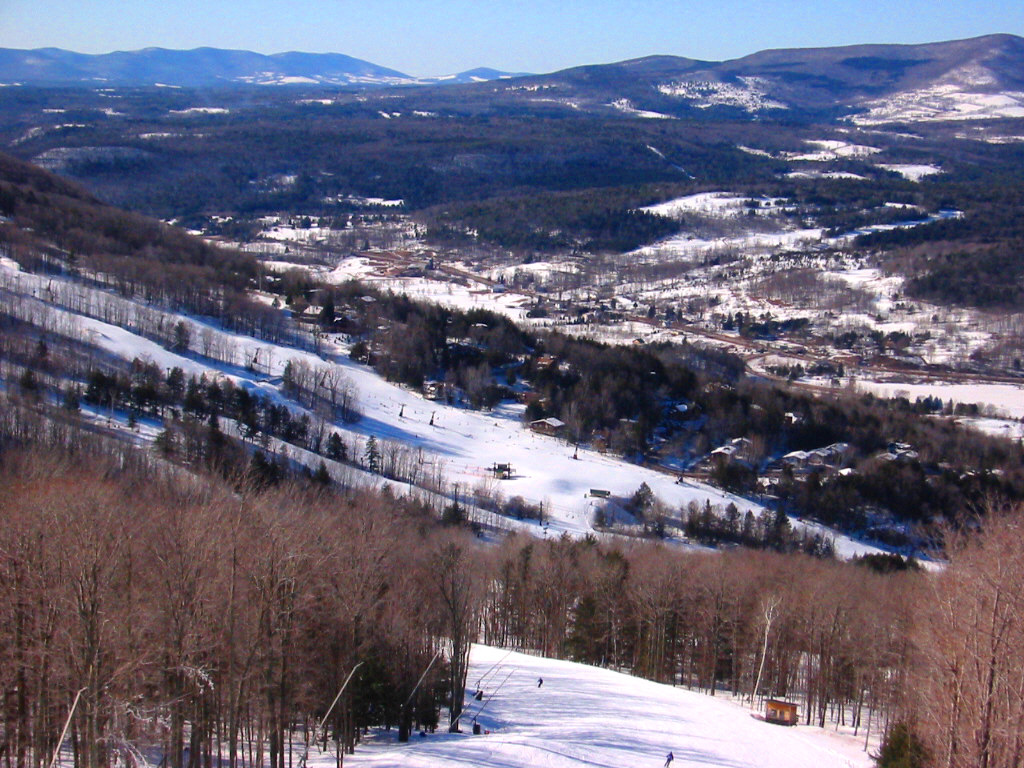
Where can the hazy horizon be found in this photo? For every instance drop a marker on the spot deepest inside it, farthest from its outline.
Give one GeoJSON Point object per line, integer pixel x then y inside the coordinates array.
{"type": "Point", "coordinates": [424, 39]}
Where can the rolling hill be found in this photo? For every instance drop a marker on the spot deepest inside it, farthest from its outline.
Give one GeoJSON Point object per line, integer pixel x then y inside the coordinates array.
{"type": "Point", "coordinates": [876, 83]}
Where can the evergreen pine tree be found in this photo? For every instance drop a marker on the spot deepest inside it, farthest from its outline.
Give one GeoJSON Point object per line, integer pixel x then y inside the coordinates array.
{"type": "Point", "coordinates": [901, 749]}
{"type": "Point", "coordinates": [336, 450]}
{"type": "Point", "coordinates": [322, 476]}
{"type": "Point", "coordinates": [371, 456]}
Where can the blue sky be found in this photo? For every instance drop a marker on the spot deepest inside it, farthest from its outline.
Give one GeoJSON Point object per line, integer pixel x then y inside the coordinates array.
{"type": "Point", "coordinates": [428, 37]}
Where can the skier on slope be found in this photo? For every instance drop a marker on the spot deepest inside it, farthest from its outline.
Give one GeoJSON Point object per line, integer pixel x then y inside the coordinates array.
{"type": "Point", "coordinates": [668, 759]}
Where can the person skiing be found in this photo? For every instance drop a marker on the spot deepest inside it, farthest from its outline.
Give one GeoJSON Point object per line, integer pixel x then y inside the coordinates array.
{"type": "Point", "coordinates": [669, 759]}
{"type": "Point", "coordinates": [540, 681]}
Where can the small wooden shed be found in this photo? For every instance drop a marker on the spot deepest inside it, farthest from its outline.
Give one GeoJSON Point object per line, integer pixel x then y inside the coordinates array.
{"type": "Point", "coordinates": [780, 712]}
{"type": "Point", "coordinates": [549, 426]}
{"type": "Point", "coordinates": [433, 390]}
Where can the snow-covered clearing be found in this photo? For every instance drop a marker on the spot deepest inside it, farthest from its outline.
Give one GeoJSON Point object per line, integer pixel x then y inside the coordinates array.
{"type": "Point", "coordinates": [625, 105]}
{"type": "Point", "coordinates": [1003, 399]}
{"type": "Point", "coordinates": [832, 149]}
{"type": "Point", "coordinates": [996, 139]}
{"type": "Point", "coordinates": [688, 246]}
{"type": "Point", "coordinates": [287, 233]}
{"type": "Point", "coordinates": [913, 172]}
{"type": "Point", "coordinates": [824, 175]}
{"type": "Point", "coordinates": [201, 111]}
{"type": "Point", "coordinates": [747, 94]}
{"type": "Point", "coordinates": [722, 204]}
{"type": "Point", "coordinates": [943, 101]}
{"type": "Point", "coordinates": [586, 716]}
{"type": "Point", "coordinates": [1012, 430]}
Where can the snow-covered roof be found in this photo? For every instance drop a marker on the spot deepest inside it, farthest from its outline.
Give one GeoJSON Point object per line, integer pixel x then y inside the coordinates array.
{"type": "Point", "coordinates": [551, 421]}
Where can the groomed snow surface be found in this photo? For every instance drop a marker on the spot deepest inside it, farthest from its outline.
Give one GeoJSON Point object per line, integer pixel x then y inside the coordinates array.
{"type": "Point", "coordinates": [585, 716]}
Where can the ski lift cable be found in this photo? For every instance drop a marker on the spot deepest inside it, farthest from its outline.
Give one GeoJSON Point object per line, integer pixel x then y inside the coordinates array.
{"type": "Point", "coordinates": [418, 682]}
{"type": "Point", "coordinates": [492, 668]}
{"type": "Point", "coordinates": [317, 726]}
{"type": "Point", "coordinates": [493, 694]}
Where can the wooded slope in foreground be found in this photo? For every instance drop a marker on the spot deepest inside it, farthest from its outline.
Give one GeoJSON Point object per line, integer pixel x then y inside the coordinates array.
{"type": "Point", "coordinates": [193, 611]}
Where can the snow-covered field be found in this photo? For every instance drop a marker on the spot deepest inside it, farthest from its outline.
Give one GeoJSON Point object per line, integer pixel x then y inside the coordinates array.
{"type": "Point", "coordinates": [201, 111]}
{"type": "Point", "coordinates": [1003, 399]}
{"type": "Point", "coordinates": [585, 717]}
{"type": "Point", "coordinates": [911, 171]}
{"type": "Point", "coordinates": [832, 149]}
{"type": "Point", "coordinates": [625, 105]}
{"type": "Point", "coordinates": [688, 246]}
{"type": "Point", "coordinates": [722, 204]}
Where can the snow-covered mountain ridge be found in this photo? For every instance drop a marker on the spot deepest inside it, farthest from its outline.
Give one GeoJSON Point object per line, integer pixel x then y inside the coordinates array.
{"type": "Point", "coordinates": [979, 77]}
{"type": "Point", "coordinates": [208, 67]}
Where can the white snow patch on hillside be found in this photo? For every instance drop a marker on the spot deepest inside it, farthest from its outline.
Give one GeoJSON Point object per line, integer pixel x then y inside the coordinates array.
{"type": "Point", "coordinates": [686, 245]}
{"type": "Point", "coordinates": [289, 80]}
{"type": "Point", "coordinates": [832, 149]}
{"type": "Point", "coordinates": [754, 151]}
{"type": "Point", "coordinates": [28, 135]}
{"type": "Point", "coordinates": [911, 171]}
{"type": "Point", "coordinates": [625, 105]}
{"type": "Point", "coordinates": [823, 175]}
{"type": "Point", "coordinates": [748, 94]}
{"type": "Point", "coordinates": [973, 74]}
{"type": "Point", "coordinates": [996, 139]}
{"type": "Point", "coordinates": [588, 717]}
{"type": "Point", "coordinates": [718, 204]}
{"type": "Point", "coordinates": [201, 111]}
{"type": "Point", "coordinates": [943, 101]}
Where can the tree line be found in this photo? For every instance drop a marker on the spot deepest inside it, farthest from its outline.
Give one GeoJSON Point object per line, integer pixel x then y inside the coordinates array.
{"type": "Point", "coordinates": [213, 624]}
{"type": "Point", "coordinates": [212, 619]}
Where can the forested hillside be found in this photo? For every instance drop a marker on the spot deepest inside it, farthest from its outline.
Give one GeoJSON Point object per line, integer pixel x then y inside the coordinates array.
{"type": "Point", "coordinates": [648, 403]}
{"type": "Point", "coordinates": [203, 618]}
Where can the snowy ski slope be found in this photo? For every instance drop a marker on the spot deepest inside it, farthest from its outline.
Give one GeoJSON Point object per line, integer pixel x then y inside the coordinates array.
{"type": "Point", "coordinates": [585, 716]}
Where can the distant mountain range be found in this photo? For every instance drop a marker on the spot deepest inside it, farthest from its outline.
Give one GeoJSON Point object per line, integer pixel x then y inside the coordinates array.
{"type": "Point", "coordinates": [981, 77]}
{"type": "Point", "coordinates": [208, 67]}
{"type": "Point", "coordinates": [978, 78]}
